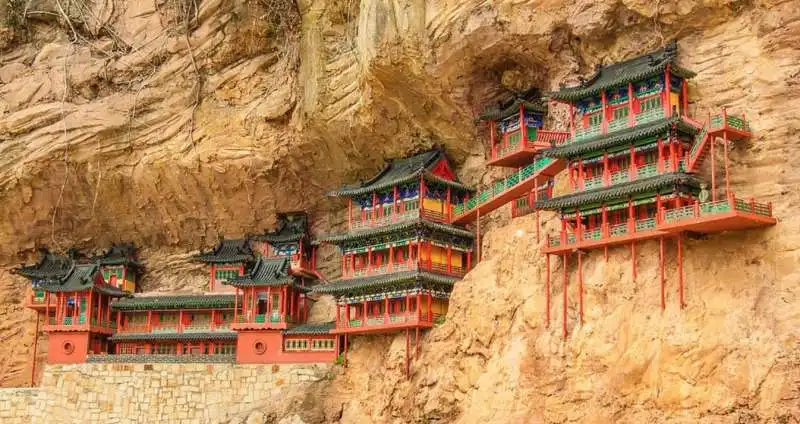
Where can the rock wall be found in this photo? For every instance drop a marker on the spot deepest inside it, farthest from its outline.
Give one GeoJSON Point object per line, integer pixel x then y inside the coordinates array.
{"type": "Point", "coordinates": [174, 393]}
{"type": "Point", "coordinates": [170, 125]}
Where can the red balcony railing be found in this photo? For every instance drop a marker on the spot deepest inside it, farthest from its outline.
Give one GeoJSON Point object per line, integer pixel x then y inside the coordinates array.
{"type": "Point", "coordinates": [512, 142]}
{"type": "Point", "coordinates": [410, 265]}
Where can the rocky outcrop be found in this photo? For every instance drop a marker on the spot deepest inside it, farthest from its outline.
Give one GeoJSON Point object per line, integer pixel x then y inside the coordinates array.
{"type": "Point", "coordinates": [166, 125]}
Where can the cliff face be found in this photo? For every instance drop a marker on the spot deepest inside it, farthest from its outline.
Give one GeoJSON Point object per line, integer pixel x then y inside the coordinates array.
{"type": "Point", "coordinates": [169, 122]}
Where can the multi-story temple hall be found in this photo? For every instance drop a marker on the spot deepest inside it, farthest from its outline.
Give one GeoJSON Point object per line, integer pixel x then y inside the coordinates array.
{"type": "Point", "coordinates": [400, 256]}
{"type": "Point", "coordinates": [634, 161]}
{"type": "Point", "coordinates": [255, 309]}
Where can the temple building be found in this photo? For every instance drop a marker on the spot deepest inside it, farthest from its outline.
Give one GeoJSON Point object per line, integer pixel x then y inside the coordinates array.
{"type": "Point", "coordinates": [175, 325]}
{"type": "Point", "coordinates": [80, 321]}
{"type": "Point", "coordinates": [633, 161]}
{"type": "Point", "coordinates": [227, 261]}
{"type": "Point", "coordinates": [120, 266]}
{"type": "Point", "coordinates": [400, 257]}
{"type": "Point", "coordinates": [516, 138]}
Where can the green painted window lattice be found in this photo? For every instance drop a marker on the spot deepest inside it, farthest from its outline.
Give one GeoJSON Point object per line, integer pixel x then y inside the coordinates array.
{"type": "Point", "coordinates": [619, 229]}
{"type": "Point", "coordinates": [293, 344]}
{"type": "Point", "coordinates": [646, 224]}
{"type": "Point", "coordinates": [592, 234]}
{"type": "Point", "coordinates": [595, 119]}
{"type": "Point", "coordinates": [107, 273]}
{"type": "Point", "coordinates": [226, 274]}
{"type": "Point", "coordinates": [651, 104]}
{"type": "Point", "coordinates": [323, 344]}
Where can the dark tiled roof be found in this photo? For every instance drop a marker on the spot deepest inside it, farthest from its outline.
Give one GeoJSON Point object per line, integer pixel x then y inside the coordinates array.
{"type": "Point", "coordinates": [531, 101]}
{"type": "Point", "coordinates": [49, 267]}
{"type": "Point", "coordinates": [378, 282]}
{"type": "Point", "coordinates": [80, 278]}
{"type": "Point", "coordinates": [161, 359]}
{"type": "Point", "coordinates": [400, 171]}
{"type": "Point", "coordinates": [266, 272]}
{"type": "Point", "coordinates": [211, 335]}
{"type": "Point", "coordinates": [398, 226]}
{"type": "Point", "coordinates": [119, 254]}
{"type": "Point", "coordinates": [631, 70]}
{"type": "Point", "coordinates": [312, 329]}
{"type": "Point", "coordinates": [292, 226]}
{"type": "Point", "coordinates": [228, 251]}
{"type": "Point", "coordinates": [627, 135]}
{"type": "Point", "coordinates": [619, 191]}
{"type": "Point", "coordinates": [181, 301]}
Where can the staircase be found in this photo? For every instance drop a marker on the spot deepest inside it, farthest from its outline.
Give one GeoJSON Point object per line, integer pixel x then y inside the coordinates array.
{"type": "Point", "coordinates": [702, 143]}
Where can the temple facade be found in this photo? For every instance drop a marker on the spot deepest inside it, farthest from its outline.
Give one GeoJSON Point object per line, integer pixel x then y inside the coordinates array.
{"type": "Point", "coordinates": [400, 256]}
{"type": "Point", "coordinates": [633, 162]}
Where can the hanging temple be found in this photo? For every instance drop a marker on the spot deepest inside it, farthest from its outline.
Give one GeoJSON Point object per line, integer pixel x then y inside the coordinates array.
{"type": "Point", "coordinates": [633, 157]}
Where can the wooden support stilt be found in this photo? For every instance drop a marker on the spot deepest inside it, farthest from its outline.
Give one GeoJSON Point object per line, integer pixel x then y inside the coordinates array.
{"type": "Point", "coordinates": [605, 253]}
{"type": "Point", "coordinates": [680, 269]}
{"type": "Point", "coordinates": [727, 179]}
{"type": "Point", "coordinates": [35, 345]}
{"type": "Point", "coordinates": [580, 288]}
{"type": "Point", "coordinates": [346, 346]}
{"type": "Point", "coordinates": [416, 343]}
{"type": "Point", "coordinates": [547, 290]}
{"type": "Point", "coordinates": [713, 140]}
{"type": "Point", "coordinates": [408, 347]}
{"type": "Point", "coordinates": [661, 268]}
{"type": "Point", "coordinates": [633, 259]}
{"type": "Point", "coordinates": [564, 293]}
{"type": "Point", "coordinates": [478, 237]}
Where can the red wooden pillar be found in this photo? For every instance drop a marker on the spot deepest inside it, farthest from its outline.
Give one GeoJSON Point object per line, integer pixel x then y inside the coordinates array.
{"type": "Point", "coordinates": [580, 287]}
{"type": "Point", "coordinates": [448, 206]}
{"type": "Point", "coordinates": [386, 319]}
{"type": "Point", "coordinates": [346, 317]}
{"type": "Point", "coordinates": [374, 206]}
{"type": "Point", "coordinates": [180, 321]}
{"type": "Point", "coordinates": [713, 141]}
{"type": "Point", "coordinates": [449, 258]}
{"type": "Point", "coordinates": [430, 307]}
{"type": "Point", "coordinates": [631, 115]}
{"type": "Point", "coordinates": [364, 313]}
{"type": "Point", "coordinates": [547, 290]}
{"type": "Point", "coordinates": [685, 95]}
{"type": "Point", "coordinates": [667, 97]}
{"type": "Point", "coordinates": [119, 321]}
{"type": "Point", "coordinates": [604, 112]}
{"type": "Point", "coordinates": [633, 259]}
{"type": "Point", "coordinates": [149, 321]}
{"type": "Point", "coordinates": [419, 254]}
{"type": "Point", "coordinates": [661, 271]}
{"type": "Point", "coordinates": [564, 293]}
{"type": "Point", "coordinates": [338, 315]}
{"type": "Point", "coordinates": [369, 260]}
{"type": "Point", "coordinates": [478, 237]}
{"type": "Point", "coordinates": [421, 195]}
{"type": "Point", "coordinates": [349, 213]}
{"type": "Point", "coordinates": [430, 256]}
{"type": "Point", "coordinates": [469, 260]}
{"type": "Point", "coordinates": [212, 281]}
{"type": "Point", "coordinates": [572, 120]}
{"type": "Point", "coordinates": [680, 269]}
{"type": "Point", "coordinates": [725, 147]}
{"type": "Point", "coordinates": [660, 160]}
{"type": "Point", "coordinates": [46, 308]}
{"type": "Point", "coordinates": [395, 197]}
{"type": "Point", "coordinates": [632, 172]}
{"type": "Point", "coordinates": [408, 307]}
{"type": "Point", "coordinates": [606, 171]}
{"type": "Point", "coordinates": [673, 155]}
{"type": "Point", "coordinates": [269, 301]}
{"type": "Point", "coordinates": [419, 306]}
{"type": "Point", "coordinates": [523, 131]}
{"type": "Point", "coordinates": [87, 314]}
{"type": "Point", "coordinates": [581, 182]}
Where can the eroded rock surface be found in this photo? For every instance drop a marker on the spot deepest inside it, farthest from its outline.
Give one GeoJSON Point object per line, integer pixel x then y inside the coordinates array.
{"type": "Point", "coordinates": [167, 125]}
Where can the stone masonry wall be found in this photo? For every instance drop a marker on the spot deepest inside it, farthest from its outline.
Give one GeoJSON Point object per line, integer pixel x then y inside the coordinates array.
{"type": "Point", "coordinates": [175, 393]}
